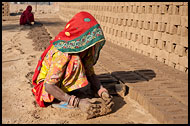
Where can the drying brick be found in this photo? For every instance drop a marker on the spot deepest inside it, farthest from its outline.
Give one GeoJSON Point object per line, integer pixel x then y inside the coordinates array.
{"type": "Point", "coordinates": [184, 21]}
{"type": "Point", "coordinates": [183, 61]}
{"type": "Point", "coordinates": [184, 41]}
{"type": "Point", "coordinates": [175, 19]}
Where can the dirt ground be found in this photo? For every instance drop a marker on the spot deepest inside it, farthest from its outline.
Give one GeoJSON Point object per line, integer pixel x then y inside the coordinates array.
{"type": "Point", "coordinates": [19, 59]}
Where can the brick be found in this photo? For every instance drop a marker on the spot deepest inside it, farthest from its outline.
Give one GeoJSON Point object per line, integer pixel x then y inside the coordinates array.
{"type": "Point", "coordinates": [170, 9]}
{"type": "Point", "coordinates": [164, 54]}
{"type": "Point", "coordinates": [168, 28]}
{"type": "Point", "coordinates": [139, 9]}
{"type": "Point", "coordinates": [124, 22]}
{"type": "Point", "coordinates": [157, 18]}
{"type": "Point", "coordinates": [178, 30]}
{"type": "Point", "coordinates": [163, 9]}
{"type": "Point", "coordinates": [157, 35]}
{"type": "Point", "coordinates": [166, 18]}
{"type": "Point", "coordinates": [167, 37]}
{"type": "Point", "coordinates": [183, 10]}
{"type": "Point", "coordinates": [184, 21]}
{"type": "Point", "coordinates": [134, 37]}
{"type": "Point", "coordinates": [140, 24]}
{"type": "Point", "coordinates": [173, 29]}
{"type": "Point", "coordinates": [155, 26]}
{"type": "Point", "coordinates": [175, 39]}
{"type": "Point", "coordinates": [134, 23]}
{"type": "Point", "coordinates": [160, 44]}
{"type": "Point", "coordinates": [175, 10]}
{"type": "Point", "coordinates": [163, 27]}
{"type": "Point", "coordinates": [153, 43]}
{"type": "Point", "coordinates": [184, 31]}
{"type": "Point", "coordinates": [129, 22]}
{"type": "Point", "coordinates": [169, 46]}
{"type": "Point", "coordinates": [180, 50]}
{"type": "Point", "coordinates": [159, 26]}
{"type": "Point", "coordinates": [183, 61]}
{"type": "Point", "coordinates": [184, 41]}
{"type": "Point", "coordinates": [139, 38]}
{"type": "Point", "coordinates": [175, 19]}
{"type": "Point", "coordinates": [151, 26]}
{"type": "Point", "coordinates": [154, 9]}
{"type": "Point", "coordinates": [173, 58]}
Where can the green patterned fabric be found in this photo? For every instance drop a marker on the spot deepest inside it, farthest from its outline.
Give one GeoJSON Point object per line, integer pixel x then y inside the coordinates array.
{"type": "Point", "coordinates": [86, 40]}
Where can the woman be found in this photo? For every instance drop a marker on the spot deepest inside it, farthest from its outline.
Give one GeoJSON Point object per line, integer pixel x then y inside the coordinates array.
{"type": "Point", "coordinates": [67, 64]}
{"type": "Point", "coordinates": [27, 17]}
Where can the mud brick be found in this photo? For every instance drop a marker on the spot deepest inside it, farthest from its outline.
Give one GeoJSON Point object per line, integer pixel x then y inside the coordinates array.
{"type": "Point", "coordinates": [176, 39]}
{"type": "Point", "coordinates": [155, 26]}
{"type": "Point", "coordinates": [166, 18]}
{"type": "Point", "coordinates": [178, 30]}
{"type": "Point", "coordinates": [130, 8]}
{"type": "Point", "coordinates": [157, 18]}
{"type": "Point", "coordinates": [134, 9]}
{"type": "Point", "coordinates": [145, 25]}
{"type": "Point", "coordinates": [134, 23]}
{"type": "Point", "coordinates": [169, 46]}
{"type": "Point", "coordinates": [175, 10]}
{"type": "Point", "coordinates": [125, 22]}
{"type": "Point", "coordinates": [160, 44]}
{"type": "Point", "coordinates": [163, 27]}
{"type": "Point", "coordinates": [129, 35]}
{"type": "Point", "coordinates": [173, 29]}
{"type": "Point", "coordinates": [152, 43]}
{"type": "Point", "coordinates": [139, 38]}
{"type": "Point", "coordinates": [163, 9]}
{"type": "Point", "coordinates": [134, 37]}
{"type": "Point", "coordinates": [183, 10]}
{"type": "Point", "coordinates": [175, 19]}
{"type": "Point", "coordinates": [140, 9]}
{"type": "Point", "coordinates": [170, 9]}
{"type": "Point", "coordinates": [119, 21]}
{"type": "Point", "coordinates": [151, 26]}
{"type": "Point", "coordinates": [129, 22]}
{"type": "Point", "coordinates": [184, 41]}
{"type": "Point", "coordinates": [168, 28]}
{"type": "Point", "coordinates": [180, 50]}
{"type": "Point", "coordinates": [184, 21]}
{"type": "Point", "coordinates": [184, 31]}
{"type": "Point", "coordinates": [154, 9]}
{"type": "Point", "coordinates": [183, 61]}
{"type": "Point", "coordinates": [166, 37]}
{"type": "Point", "coordinates": [140, 24]}
{"type": "Point", "coordinates": [159, 26]}
{"type": "Point", "coordinates": [173, 58]}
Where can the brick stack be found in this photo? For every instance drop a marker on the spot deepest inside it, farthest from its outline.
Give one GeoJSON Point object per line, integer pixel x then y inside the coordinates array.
{"type": "Point", "coordinates": [5, 9]}
{"type": "Point", "coordinates": [155, 29]}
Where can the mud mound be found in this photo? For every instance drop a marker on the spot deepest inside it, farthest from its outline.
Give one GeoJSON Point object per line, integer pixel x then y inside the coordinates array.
{"type": "Point", "coordinates": [40, 37]}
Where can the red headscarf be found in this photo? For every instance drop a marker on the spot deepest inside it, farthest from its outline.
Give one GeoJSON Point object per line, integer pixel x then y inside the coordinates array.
{"type": "Point", "coordinates": [27, 16]}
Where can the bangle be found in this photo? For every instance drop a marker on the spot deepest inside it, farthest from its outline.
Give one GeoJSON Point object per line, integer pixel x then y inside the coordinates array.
{"type": "Point", "coordinates": [100, 91]}
{"type": "Point", "coordinates": [76, 102]}
{"type": "Point", "coordinates": [71, 101]}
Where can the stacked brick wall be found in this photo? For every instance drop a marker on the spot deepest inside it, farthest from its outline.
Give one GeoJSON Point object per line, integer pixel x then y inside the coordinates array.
{"type": "Point", "coordinates": [155, 29]}
{"type": "Point", "coordinates": [5, 9]}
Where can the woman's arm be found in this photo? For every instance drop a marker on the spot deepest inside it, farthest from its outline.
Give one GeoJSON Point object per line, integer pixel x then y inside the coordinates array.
{"type": "Point", "coordinates": [56, 92]}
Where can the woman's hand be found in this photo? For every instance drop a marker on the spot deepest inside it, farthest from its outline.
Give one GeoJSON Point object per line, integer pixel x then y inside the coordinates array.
{"type": "Point", "coordinates": [84, 105]}
{"type": "Point", "coordinates": [106, 97]}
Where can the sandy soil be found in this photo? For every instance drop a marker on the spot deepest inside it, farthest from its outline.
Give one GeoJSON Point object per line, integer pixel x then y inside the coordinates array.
{"type": "Point", "coordinates": [19, 59]}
